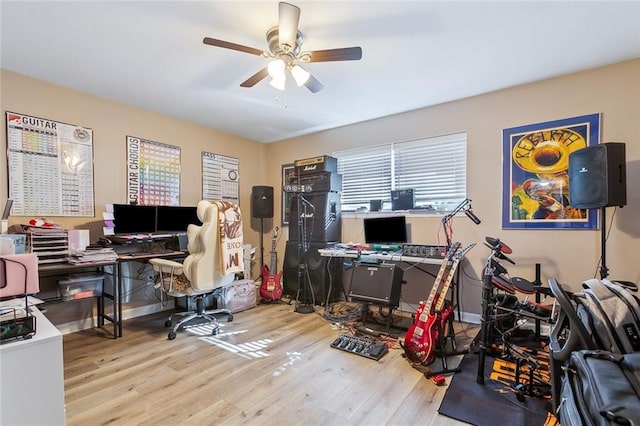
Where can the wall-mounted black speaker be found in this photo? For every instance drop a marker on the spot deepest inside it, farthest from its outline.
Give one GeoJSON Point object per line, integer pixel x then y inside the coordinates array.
{"type": "Point", "coordinates": [262, 202]}
{"type": "Point", "coordinates": [324, 274]}
{"type": "Point", "coordinates": [320, 215]}
{"type": "Point", "coordinates": [597, 176]}
{"type": "Point", "coordinates": [376, 283]}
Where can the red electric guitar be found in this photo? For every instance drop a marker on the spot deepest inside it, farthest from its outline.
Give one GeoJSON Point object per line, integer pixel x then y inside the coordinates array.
{"type": "Point", "coordinates": [422, 338]}
{"type": "Point", "coordinates": [271, 287]}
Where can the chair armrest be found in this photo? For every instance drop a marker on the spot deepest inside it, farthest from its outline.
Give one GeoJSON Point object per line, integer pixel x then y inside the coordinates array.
{"type": "Point", "coordinates": [166, 265]}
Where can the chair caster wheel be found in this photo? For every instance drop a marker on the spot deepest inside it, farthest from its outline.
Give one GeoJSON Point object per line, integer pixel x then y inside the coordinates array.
{"type": "Point", "coordinates": [172, 335]}
{"type": "Point", "coordinates": [168, 323]}
{"type": "Point", "coordinates": [215, 331]}
{"type": "Point", "coordinates": [230, 318]}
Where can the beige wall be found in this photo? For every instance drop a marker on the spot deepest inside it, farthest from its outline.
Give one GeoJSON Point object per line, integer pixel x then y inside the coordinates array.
{"type": "Point", "coordinates": [111, 123]}
{"type": "Point", "coordinates": [569, 255]}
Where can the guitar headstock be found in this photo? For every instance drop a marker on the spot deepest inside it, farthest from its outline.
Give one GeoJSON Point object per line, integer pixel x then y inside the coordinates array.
{"type": "Point", "coordinates": [454, 247]}
{"type": "Point", "coordinates": [275, 233]}
{"type": "Point", "coordinates": [460, 253]}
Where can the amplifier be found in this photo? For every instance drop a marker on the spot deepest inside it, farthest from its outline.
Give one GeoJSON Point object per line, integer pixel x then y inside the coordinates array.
{"type": "Point", "coordinates": [376, 283]}
{"type": "Point", "coordinates": [424, 250]}
{"type": "Point", "coordinates": [402, 199]}
{"type": "Point", "coordinates": [323, 163]}
{"type": "Point", "coordinates": [322, 181]}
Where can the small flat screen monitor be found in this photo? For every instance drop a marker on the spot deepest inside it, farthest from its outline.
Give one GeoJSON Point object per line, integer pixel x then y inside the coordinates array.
{"type": "Point", "coordinates": [385, 230]}
{"type": "Point", "coordinates": [176, 218]}
{"type": "Point", "coordinates": [134, 219]}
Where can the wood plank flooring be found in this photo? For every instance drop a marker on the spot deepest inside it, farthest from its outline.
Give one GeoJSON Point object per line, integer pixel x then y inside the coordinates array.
{"type": "Point", "coordinates": [269, 366]}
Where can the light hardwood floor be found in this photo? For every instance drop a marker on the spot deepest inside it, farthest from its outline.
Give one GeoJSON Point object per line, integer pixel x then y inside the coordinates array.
{"type": "Point", "coordinates": [269, 366]}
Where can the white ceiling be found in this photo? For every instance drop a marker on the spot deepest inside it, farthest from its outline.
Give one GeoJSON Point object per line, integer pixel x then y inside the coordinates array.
{"type": "Point", "coordinates": [418, 53]}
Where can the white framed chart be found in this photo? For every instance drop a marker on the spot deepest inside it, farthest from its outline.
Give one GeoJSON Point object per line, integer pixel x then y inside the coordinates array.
{"type": "Point", "coordinates": [220, 178]}
{"type": "Point", "coordinates": [50, 167]}
{"type": "Point", "coordinates": [153, 173]}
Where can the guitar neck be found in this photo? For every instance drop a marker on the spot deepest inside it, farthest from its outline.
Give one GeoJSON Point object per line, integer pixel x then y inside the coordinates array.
{"type": "Point", "coordinates": [447, 284]}
{"type": "Point", "coordinates": [452, 272]}
{"type": "Point", "coordinates": [438, 280]}
{"type": "Point", "coordinates": [274, 257]}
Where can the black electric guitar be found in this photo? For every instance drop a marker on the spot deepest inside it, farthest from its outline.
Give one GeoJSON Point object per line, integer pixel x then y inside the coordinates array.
{"type": "Point", "coordinates": [271, 286]}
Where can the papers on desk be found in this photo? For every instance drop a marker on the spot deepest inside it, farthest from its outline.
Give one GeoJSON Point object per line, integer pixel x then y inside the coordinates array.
{"type": "Point", "coordinates": [91, 255]}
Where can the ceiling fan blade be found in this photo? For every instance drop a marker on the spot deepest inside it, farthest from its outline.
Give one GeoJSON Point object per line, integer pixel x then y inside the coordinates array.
{"type": "Point", "coordinates": [233, 46]}
{"type": "Point", "coordinates": [343, 54]}
{"type": "Point", "coordinates": [288, 19]}
{"type": "Point", "coordinates": [254, 79]}
{"type": "Point", "coordinates": [313, 84]}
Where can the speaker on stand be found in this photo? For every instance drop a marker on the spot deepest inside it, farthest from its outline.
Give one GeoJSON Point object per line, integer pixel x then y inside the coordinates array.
{"type": "Point", "coordinates": [598, 179]}
{"type": "Point", "coordinates": [262, 208]}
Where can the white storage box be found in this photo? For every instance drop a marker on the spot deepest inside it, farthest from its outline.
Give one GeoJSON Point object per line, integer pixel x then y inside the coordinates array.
{"type": "Point", "coordinates": [81, 286]}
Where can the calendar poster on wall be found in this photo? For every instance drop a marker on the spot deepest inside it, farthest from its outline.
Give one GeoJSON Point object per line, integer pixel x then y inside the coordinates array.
{"type": "Point", "coordinates": [50, 167]}
{"type": "Point", "coordinates": [220, 178]}
{"type": "Point", "coordinates": [153, 173]}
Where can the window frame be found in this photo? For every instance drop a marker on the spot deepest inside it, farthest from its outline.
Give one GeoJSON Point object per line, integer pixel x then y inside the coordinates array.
{"type": "Point", "coordinates": [403, 170]}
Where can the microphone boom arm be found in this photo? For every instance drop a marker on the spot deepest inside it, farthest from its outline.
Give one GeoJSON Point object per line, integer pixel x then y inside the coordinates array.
{"type": "Point", "coordinates": [464, 206]}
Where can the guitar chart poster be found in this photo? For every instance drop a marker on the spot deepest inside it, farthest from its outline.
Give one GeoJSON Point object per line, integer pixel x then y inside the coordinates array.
{"type": "Point", "coordinates": [50, 167]}
{"type": "Point", "coordinates": [535, 161]}
{"type": "Point", "coordinates": [153, 173]}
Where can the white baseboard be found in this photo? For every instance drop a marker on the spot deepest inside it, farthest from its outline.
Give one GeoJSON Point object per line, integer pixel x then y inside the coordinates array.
{"type": "Point", "coordinates": [87, 323]}
{"type": "Point", "coordinates": [467, 317]}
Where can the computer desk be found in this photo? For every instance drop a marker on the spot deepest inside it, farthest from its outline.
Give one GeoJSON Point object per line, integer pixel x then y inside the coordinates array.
{"type": "Point", "coordinates": [399, 258]}
{"type": "Point", "coordinates": [65, 268]}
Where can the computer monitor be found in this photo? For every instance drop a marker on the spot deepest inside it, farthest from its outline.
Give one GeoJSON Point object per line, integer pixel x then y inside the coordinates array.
{"type": "Point", "coordinates": [385, 230]}
{"type": "Point", "coordinates": [176, 218]}
{"type": "Point", "coordinates": [134, 219]}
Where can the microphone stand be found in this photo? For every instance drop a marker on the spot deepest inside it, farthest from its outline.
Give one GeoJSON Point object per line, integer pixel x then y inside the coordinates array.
{"type": "Point", "coordinates": [302, 307]}
{"type": "Point", "coordinates": [464, 205]}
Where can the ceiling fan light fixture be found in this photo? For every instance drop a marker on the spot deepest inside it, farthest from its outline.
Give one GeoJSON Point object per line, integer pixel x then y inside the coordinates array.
{"type": "Point", "coordinates": [300, 75]}
{"type": "Point", "coordinates": [276, 69]}
{"type": "Point", "coordinates": [278, 83]}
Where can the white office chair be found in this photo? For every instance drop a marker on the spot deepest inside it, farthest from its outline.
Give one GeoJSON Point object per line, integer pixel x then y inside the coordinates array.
{"type": "Point", "coordinates": [199, 275]}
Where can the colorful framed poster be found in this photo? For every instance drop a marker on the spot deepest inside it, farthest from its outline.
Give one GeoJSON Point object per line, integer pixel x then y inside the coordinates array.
{"type": "Point", "coordinates": [153, 173]}
{"type": "Point", "coordinates": [535, 182]}
{"type": "Point", "coordinates": [288, 178]}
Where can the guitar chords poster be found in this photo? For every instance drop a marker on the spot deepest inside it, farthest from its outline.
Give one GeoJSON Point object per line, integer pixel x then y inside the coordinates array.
{"type": "Point", "coordinates": [220, 178]}
{"type": "Point", "coordinates": [153, 173]}
{"type": "Point", "coordinates": [50, 167]}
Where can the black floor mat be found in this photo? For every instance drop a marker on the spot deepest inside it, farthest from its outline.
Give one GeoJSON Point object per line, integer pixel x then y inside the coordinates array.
{"type": "Point", "coordinates": [495, 402]}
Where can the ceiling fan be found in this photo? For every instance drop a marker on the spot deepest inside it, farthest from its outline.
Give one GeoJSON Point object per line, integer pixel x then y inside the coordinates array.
{"type": "Point", "coordinates": [285, 53]}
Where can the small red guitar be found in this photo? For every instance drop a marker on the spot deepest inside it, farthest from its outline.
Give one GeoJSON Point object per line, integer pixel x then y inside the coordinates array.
{"type": "Point", "coordinates": [431, 324]}
{"type": "Point", "coordinates": [414, 338]}
{"type": "Point", "coordinates": [271, 287]}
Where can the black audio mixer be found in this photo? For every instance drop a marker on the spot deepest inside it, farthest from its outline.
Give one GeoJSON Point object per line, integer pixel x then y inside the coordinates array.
{"type": "Point", "coordinates": [360, 346]}
{"type": "Point", "coordinates": [424, 250]}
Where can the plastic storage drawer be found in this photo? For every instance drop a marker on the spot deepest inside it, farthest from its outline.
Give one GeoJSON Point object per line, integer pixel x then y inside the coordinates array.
{"type": "Point", "coordinates": [81, 286]}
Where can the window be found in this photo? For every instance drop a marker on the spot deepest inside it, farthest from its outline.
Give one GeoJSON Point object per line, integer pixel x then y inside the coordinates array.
{"type": "Point", "coordinates": [435, 168]}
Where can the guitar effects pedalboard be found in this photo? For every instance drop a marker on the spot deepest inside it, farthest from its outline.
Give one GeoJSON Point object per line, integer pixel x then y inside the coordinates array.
{"type": "Point", "coordinates": [362, 346]}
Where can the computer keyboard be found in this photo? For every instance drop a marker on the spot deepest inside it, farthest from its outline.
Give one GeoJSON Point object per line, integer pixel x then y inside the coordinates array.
{"type": "Point", "coordinates": [362, 346]}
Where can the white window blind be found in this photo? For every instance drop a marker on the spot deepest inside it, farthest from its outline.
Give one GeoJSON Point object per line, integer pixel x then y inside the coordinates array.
{"type": "Point", "coordinates": [435, 168]}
